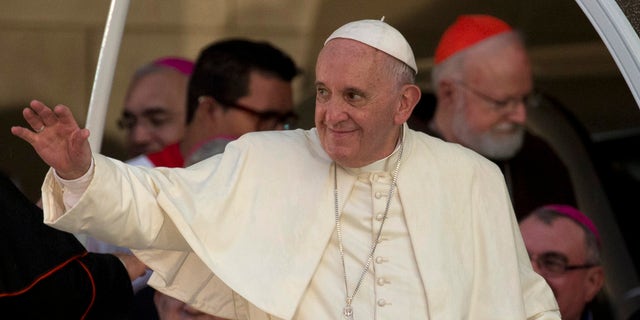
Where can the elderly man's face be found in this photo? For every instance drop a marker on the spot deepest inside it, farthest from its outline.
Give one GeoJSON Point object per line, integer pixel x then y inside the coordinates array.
{"type": "Point", "coordinates": [357, 103]}
{"type": "Point", "coordinates": [480, 122]}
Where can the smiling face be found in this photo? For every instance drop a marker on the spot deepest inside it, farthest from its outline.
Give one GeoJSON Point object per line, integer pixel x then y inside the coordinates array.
{"type": "Point", "coordinates": [360, 106]}
{"type": "Point", "coordinates": [155, 111]}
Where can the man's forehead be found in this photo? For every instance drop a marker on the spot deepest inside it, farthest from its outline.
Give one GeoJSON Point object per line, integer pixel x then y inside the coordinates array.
{"type": "Point", "coordinates": [360, 72]}
{"type": "Point", "coordinates": [339, 50]}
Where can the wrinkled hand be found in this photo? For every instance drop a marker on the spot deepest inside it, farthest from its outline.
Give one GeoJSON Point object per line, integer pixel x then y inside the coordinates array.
{"type": "Point", "coordinates": [57, 139]}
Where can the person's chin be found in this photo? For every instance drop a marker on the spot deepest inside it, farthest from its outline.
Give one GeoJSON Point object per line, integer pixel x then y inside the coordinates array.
{"type": "Point", "coordinates": [339, 152]}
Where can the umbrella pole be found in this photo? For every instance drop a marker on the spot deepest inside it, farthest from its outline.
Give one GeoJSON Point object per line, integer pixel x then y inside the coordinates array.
{"type": "Point", "coordinates": [105, 69]}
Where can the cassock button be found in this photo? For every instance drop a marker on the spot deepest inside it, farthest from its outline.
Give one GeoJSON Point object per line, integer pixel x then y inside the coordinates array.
{"type": "Point", "coordinates": [382, 302]}
{"type": "Point", "coordinates": [380, 216]}
{"type": "Point", "coordinates": [382, 281]}
{"type": "Point", "coordinates": [381, 259]}
{"type": "Point", "coordinates": [378, 195]}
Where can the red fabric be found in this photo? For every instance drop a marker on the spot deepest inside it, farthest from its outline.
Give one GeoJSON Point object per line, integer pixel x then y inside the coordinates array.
{"type": "Point", "coordinates": [466, 31]}
{"type": "Point", "coordinates": [169, 157]}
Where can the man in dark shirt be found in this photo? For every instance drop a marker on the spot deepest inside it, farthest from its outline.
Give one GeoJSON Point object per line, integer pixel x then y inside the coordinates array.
{"type": "Point", "coordinates": [46, 273]}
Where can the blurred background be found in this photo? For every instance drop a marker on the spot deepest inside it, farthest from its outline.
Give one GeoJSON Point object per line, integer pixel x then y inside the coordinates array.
{"type": "Point", "coordinates": [49, 51]}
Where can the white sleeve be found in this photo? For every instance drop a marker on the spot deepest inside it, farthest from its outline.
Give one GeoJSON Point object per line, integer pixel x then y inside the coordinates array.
{"type": "Point", "coordinates": [73, 189]}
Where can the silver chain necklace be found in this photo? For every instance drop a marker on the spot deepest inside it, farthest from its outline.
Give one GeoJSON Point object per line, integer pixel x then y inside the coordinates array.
{"type": "Point", "coordinates": [347, 311]}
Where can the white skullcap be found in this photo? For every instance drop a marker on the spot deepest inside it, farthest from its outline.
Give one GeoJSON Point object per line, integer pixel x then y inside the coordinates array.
{"type": "Point", "coordinates": [380, 35]}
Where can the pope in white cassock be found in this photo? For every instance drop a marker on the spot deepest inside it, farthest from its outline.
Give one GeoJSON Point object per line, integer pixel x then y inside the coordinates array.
{"type": "Point", "coordinates": [360, 217]}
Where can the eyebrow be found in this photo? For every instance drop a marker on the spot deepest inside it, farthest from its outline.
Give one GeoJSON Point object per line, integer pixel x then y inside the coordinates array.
{"type": "Point", "coordinates": [151, 111]}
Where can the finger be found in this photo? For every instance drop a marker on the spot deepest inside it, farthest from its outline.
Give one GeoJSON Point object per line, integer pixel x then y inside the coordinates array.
{"type": "Point", "coordinates": [79, 137]}
{"type": "Point", "coordinates": [37, 106]}
{"type": "Point", "coordinates": [36, 114]}
{"type": "Point", "coordinates": [45, 113]}
{"type": "Point", "coordinates": [33, 119]}
{"type": "Point", "coordinates": [64, 115]}
{"type": "Point", "coordinates": [23, 133]}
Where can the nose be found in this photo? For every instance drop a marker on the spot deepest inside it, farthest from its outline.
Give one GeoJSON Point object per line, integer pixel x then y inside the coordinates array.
{"type": "Point", "coordinates": [334, 112]}
{"type": "Point", "coordinates": [140, 134]}
{"type": "Point", "coordinates": [519, 113]}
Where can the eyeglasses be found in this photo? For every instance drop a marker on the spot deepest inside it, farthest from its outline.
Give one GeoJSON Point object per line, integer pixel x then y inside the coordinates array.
{"type": "Point", "coordinates": [505, 105]}
{"type": "Point", "coordinates": [267, 120]}
{"type": "Point", "coordinates": [153, 119]}
{"type": "Point", "coordinates": [555, 264]}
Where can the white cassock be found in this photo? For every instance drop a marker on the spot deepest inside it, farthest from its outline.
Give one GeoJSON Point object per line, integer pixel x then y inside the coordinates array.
{"type": "Point", "coordinates": [261, 218]}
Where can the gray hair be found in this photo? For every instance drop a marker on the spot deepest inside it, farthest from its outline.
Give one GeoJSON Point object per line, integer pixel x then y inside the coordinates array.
{"type": "Point", "coordinates": [399, 71]}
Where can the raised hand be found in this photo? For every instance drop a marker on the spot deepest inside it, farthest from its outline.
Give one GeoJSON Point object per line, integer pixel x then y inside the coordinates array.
{"type": "Point", "coordinates": [57, 139]}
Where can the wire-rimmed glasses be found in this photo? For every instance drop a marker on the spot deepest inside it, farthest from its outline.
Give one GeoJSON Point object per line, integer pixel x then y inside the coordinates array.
{"type": "Point", "coordinates": [505, 105]}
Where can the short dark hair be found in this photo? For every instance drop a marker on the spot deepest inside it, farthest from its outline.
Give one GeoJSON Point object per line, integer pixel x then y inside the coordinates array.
{"type": "Point", "coordinates": [222, 70]}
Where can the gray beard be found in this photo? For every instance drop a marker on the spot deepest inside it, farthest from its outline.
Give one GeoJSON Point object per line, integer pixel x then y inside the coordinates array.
{"type": "Point", "coordinates": [502, 142]}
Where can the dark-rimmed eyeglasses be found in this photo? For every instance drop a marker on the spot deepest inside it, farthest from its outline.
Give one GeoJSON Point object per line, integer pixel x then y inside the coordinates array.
{"type": "Point", "coordinates": [555, 264]}
{"type": "Point", "coordinates": [505, 105]}
{"type": "Point", "coordinates": [267, 120]}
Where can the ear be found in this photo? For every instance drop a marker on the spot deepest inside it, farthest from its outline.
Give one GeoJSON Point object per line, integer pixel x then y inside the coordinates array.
{"type": "Point", "coordinates": [207, 107]}
{"type": "Point", "coordinates": [408, 100]}
{"type": "Point", "coordinates": [594, 282]}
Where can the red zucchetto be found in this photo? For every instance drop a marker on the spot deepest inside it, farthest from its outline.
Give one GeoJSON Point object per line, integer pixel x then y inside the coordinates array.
{"type": "Point", "coordinates": [466, 31]}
